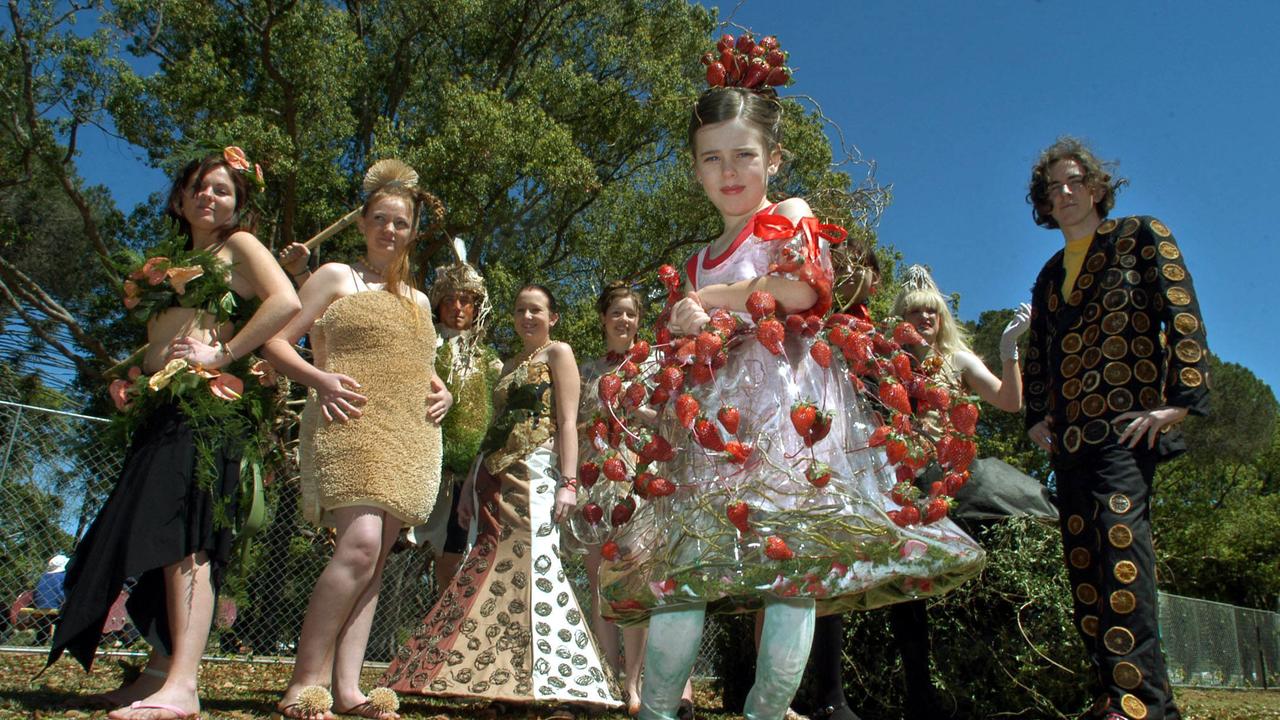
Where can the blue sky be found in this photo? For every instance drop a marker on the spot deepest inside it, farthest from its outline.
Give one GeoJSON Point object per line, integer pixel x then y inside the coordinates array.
{"type": "Point", "coordinates": [953, 100]}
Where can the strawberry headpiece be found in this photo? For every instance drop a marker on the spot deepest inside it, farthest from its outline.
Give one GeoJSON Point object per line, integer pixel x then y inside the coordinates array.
{"type": "Point", "coordinates": [758, 66]}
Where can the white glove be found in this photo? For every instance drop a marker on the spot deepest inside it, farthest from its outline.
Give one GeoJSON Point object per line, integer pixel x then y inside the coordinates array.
{"type": "Point", "coordinates": [1017, 326]}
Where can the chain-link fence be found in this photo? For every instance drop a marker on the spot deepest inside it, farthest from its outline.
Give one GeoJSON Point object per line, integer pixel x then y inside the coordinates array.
{"type": "Point", "coordinates": [1213, 644]}
{"type": "Point", "coordinates": [57, 469]}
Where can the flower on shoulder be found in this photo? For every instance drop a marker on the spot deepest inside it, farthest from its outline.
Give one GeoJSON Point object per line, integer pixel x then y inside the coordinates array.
{"type": "Point", "coordinates": [154, 269]}
{"type": "Point", "coordinates": [226, 386]}
{"type": "Point", "coordinates": [160, 380]}
{"type": "Point", "coordinates": [119, 390]}
{"type": "Point", "coordinates": [235, 157]}
{"type": "Point", "coordinates": [180, 276]}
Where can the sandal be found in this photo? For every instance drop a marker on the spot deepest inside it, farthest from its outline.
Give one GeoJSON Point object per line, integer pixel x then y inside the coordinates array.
{"type": "Point", "coordinates": [684, 711]}
{"type": "Point", "coordinates": [178, 713]}
{"type": "Point", "coordinates": [312, 700]}
{"type": "Point", "coordinates": [382, 702]}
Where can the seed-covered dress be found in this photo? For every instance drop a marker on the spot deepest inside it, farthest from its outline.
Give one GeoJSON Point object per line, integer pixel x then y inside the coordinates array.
{"type": "Point", "coordinates": [738, 532]}
{"type": "Point", "coordinates": [509, 627]}
{"type": "Point", "coordinates": [389, 457]}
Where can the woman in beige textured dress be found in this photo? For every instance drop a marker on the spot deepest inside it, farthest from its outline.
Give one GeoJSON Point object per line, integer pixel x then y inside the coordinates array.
{"type": "Point", "coordinates": [370, 450]}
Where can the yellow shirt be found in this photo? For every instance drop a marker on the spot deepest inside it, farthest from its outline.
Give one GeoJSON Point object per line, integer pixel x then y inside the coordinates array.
{"type": "Point", "coordinates": [1072, 261]}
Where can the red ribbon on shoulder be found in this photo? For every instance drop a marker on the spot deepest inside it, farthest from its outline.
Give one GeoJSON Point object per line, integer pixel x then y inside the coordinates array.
{"type": "Point", "coordinates": [769, 227]}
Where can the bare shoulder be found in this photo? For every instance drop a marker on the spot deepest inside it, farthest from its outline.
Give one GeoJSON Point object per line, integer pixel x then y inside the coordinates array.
{"type": "Point", "coordinates": [560, 352]}
{"type": "Point", "coordinates": [794, 208]}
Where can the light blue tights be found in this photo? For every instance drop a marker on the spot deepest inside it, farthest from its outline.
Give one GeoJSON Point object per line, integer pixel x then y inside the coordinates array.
{"type": "Point", "coordinates": [674, 637]}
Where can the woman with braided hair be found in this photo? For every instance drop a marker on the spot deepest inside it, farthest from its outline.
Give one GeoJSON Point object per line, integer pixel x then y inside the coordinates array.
{"type": "Point", "coordinates": [370, 447]}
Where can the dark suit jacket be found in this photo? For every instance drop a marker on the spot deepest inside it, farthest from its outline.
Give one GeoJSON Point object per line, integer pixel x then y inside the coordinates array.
{"type": "Point", "coordinates": [1128, 337]}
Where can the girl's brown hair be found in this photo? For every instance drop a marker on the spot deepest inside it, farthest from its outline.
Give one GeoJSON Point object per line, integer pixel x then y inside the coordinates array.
{"type": "Point", "coordinates": [194, 173]}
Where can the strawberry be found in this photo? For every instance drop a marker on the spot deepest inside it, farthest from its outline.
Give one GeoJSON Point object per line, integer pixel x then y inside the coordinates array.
{"type": "Point", "coordinates": [622, 511]}
{"type": "Point", "coordinates": [668, 275]}
{"type": "Point", "coordinates": [609, 551]}
{"type": "Point", "coordinates": [904, 473]}
{"type": "Point", "coordinates": [737, 513]}
{"type": "Point", "coordinates": [778, 76]}
{"type": "Point", "coordinates": [641, 483]}
{"type": "Point", "coordinates": [761, 304]}
{"type": "Point", "coordinates": [730, 418]}
{"type": "Point", "coordinates": [942, 449]}
{"type": "Point", "coordinates": [883, 345]}
{"type": "Point", "coordinates": [935, 397]}
{"type": "Point", "coordinates": [661, 487]}
{"type": "Point", "coordinates": [610, 385]}
{"type": "Point", "coordinates": [738, 452]}
{"type": "Point", "coordinates": [708, 345]}
{"type": "Point", "coordinates": [902, 367]}
{"type": "Point", "coordinates": [803, 415]}
{"type": "Point", "coordinates": [592, 513]}
{"type": "Point", "coordinates": [775, 58]}
{"type": "Point", "coordinates": [615, 469]}
{"type": "Point", "coordinates": [812, 325]}
{"type": "Point", "coordinates": [839, 336]}
{"type": "Point", "coordinates": [954, 481]}
{"type": "Point", "coordinates": [962, 454]}
{"type": "Point", "coordinates": [745, 43]}
{"type": "Point", "coordinates": [598, 431]}
{"type": "Point", "coordinates": [724, 321]}
{"type": "Point", "coordinates": [937, 509]}
{"type": "Point", "coordinates": [662, 335]}
{"type": "Point", "coordinates": [769, 42]}
{"type": "Point", "coordinates": [820, 351]}
{"type": "Point", "coordinates": [775, 548]}
{"type": "Point", "coordinates": [634, 396]}
{"type": "Point", "coordinates": [707, 58]}
{"type": "Point", "coordinates": [707, 435]}
{"type": "Point", "coordinates": [842, 319]}
{"type": "Point", "coordinates": [821, 427]}
{"type": "Point", "coordinates": [904, 333]}
{"type": "Point", "coordinates": [686, 409]}
{"type": "Point", "coordinates": [588, 473]}
{"type": "Point", "coordinates": [657, 449]}
{"type": "Point", "coordinates": [726, 42]}
{"type": "Point", "coordinates": [757, 71]}
{"type": "Point", "coordinates": [671, 378]}
{"type": "Point", "coordinates": [720, 360]}
{"type": "Point", "coordinates": [904, 493]}
{"type": "Point", "coordinates": [879, 436]}
{"type": "Point", "coordinates": [908, 515]}
{"type": "Point", "coordinates": [700, 374]}
{"type": "Point", "coordinates": [965, 417]}
{"type": "Point", "coordinates": [894, 396]}
{"type": "Point", "coordinates": [770, 334]}
{"type": "Point", "coordinates": [794, 324]}
{"type": "Point", "coordinates": [686, 351]}
{"type": "Point", "coordinates": [818, 473]}
{"type": "Point", "coordinates": [895, 449]}
{"type": "Point", "coordinates": [629, 369]}
{"type": "Point", "coordinates": [902, 423]}
{"type": "Point", "coordinates": [659, 397]}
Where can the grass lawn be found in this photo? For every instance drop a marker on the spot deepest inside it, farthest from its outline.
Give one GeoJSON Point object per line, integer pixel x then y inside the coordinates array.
{"type": "Point", "coordinates": [244, 691]}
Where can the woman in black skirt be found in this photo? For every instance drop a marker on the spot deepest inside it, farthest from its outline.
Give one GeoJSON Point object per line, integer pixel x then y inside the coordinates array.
{"type": "Point", "coordinates": [168, 520]}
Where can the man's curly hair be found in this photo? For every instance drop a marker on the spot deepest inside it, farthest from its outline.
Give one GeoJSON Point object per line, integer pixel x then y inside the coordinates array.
{"type": "Point", "coordinates": [1096, 178]}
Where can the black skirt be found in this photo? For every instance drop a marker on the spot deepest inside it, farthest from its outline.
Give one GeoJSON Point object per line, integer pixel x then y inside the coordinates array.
{"type": "Point", "coordinates": [156, 516]}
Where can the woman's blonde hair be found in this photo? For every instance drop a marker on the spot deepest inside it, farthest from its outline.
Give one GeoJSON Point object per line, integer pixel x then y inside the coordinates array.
{"type": "Point", "coordinates": [920, 291]}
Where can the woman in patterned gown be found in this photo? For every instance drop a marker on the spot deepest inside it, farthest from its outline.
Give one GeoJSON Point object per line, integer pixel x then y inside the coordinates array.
{"type": "Point", "coordinates": [509, 629]}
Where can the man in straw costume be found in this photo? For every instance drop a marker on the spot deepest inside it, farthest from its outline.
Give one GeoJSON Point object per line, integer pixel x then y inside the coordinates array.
{"type": "Point", "coordinates": [469, 368]}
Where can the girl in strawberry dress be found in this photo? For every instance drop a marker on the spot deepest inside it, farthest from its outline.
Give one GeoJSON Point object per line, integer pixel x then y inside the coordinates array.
{"type": "Point", "coordinates": [771, 497]}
